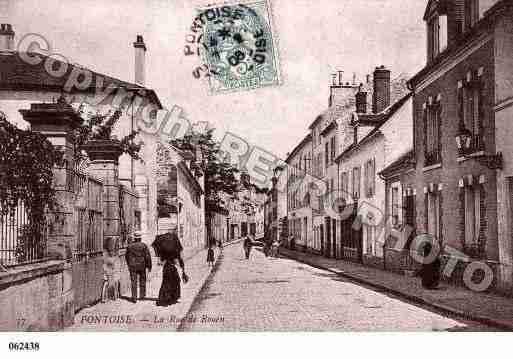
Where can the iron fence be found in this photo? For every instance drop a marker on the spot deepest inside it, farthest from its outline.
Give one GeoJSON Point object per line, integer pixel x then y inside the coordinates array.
{"type": "Point", "coordinates": [88, 216]}
{"type": "Point", "coordinates": [19, 245]}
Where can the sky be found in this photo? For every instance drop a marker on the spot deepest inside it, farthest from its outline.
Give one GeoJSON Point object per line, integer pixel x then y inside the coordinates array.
{"type": "Point", "coordinates": [314, 39]}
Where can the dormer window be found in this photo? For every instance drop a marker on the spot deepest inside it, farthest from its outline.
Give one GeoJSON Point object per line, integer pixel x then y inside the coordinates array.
{"type": "Point", "coordinates": [471, 13]}
{"type": "Point", "coordinates": [475, 10]}
{"type": "Point", "coordinates": [437, 35]}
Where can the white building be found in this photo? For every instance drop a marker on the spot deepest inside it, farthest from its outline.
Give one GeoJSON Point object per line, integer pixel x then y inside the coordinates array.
{"type": "Point", "coordinates": [27, 78]}
{"type": "Point", "coordinates": [379, 140]}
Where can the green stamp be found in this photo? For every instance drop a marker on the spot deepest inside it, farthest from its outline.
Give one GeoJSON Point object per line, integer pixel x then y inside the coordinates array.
{"type": "Point", "coordinates": [238, 48]}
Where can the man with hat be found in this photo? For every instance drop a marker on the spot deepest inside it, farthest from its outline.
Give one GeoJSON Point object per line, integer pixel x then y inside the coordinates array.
{"type": "Point", "coordinates": [138, 259]}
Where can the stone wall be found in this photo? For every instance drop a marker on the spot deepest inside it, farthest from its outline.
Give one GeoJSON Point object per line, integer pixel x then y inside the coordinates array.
{"type": "Point", "coordinates": [37, 297]}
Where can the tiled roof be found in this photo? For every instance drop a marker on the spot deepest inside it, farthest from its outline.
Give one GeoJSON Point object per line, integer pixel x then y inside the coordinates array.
{"type": "Point", "coordinates": [298, 147]}
{"type": "Point", "coordinates": [404, 161]}
{"type": "Point", "coordinates": [19, 75]}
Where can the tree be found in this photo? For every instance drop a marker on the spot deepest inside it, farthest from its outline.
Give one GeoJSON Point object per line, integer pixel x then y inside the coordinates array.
{"type": "Point", "coordinates": [220, 175]}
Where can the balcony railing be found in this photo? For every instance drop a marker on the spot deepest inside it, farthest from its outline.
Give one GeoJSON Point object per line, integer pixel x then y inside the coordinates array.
{"type": "Point", "coordinates": [432, 158]}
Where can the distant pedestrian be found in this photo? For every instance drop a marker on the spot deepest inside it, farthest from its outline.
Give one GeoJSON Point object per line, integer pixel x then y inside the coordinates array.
{"type": "Point", "coordinates": [267, 245]}
{"type": "Point", "coordinates": [169, 249]}
{"type": "Point", "coordinates": [274, 248]}
{"type": "Point", "coordinates": [138, 259]}
{"type": "Point", "coordinates": [210, 253]}
{"type": "Point", "coordinates": [247, 244]}
{"type": "Point", "coordinates": [292, 243]}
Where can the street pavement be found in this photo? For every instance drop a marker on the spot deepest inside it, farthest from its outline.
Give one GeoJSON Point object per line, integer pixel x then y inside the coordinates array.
{"type": "Point", "coordinates": [280, 294]}
{"type": "Point", "coordinates": [123, 315]}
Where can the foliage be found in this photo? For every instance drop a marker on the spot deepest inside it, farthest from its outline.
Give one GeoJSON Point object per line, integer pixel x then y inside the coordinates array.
{"type": "Point", "coordinates": [27, 160]}
{"type": "Point", "coordinates": [99, 126]}
{"type": "Point", "coordinates": [220, 175]}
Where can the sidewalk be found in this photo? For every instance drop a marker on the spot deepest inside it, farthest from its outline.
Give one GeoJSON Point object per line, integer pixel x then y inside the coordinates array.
{"type": "Point", "coordinates": [490, 309]}
{"type": "Point", "coordinates": [123, 315]}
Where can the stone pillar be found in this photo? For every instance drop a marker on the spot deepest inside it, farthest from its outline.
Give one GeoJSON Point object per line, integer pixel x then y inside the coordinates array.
{"type": "Point", "coordinates": [104, 156]}
{"type": "Point", "coordinates": [56, 121]}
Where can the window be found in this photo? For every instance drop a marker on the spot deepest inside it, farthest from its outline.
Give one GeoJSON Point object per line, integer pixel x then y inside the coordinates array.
{"type": "Point", "coordinates": [472, 199]}
{"type": "Point", "coordinates": [433, 38]}
{"type": "Point", "coordinates": [395, 203]}
{"type": "Point", "coordinates": [470, 108]}
{"type": "Point", "coordinates": [305, 229]}
{"type": "Point", "coordinates": [356, 182]}
{"type": "Point", "coordinates": [437, 31]}
{"type": "Point", "coordinates": [433, 206]}
{"type": "Point", "coordinates": [344, 185]}
{"type": "Point", "coordinates": [443, 32]}
{"type": "Point", "coordinates": [409, 210]}
{"type": "Point", "coordinates": [333, 151]}
{"type": "Point", "coordinates": [370, 180]}
{"type": "Point", "coordinates": [471, 13]}
{"type": "Point", "coordinates": [326, 155]}
{"type": "Point", "coordinates": [369, 239]}
{"type": "Point", "coordinates": [432, 133]}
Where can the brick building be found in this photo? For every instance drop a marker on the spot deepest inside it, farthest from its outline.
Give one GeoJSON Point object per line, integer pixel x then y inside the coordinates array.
{"type": "Point", "coordinates": [454, 124]}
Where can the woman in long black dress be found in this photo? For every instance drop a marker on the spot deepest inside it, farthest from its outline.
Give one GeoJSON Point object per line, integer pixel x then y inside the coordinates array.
{"type": "Point", "coordinates": [430, 272]}
{"type": "Point", "coordinates": [169, 249]}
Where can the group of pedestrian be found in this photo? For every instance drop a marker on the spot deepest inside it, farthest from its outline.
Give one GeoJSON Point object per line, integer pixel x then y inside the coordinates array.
{"type": "Point", "coordinates": [168, 249]}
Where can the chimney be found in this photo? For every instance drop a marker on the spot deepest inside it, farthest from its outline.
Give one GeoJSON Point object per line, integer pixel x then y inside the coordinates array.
{"type": "Point", "coordinates": [333, 79]}
{"type": "Point", "coordinates": [381, 96]}
{"type": "Point", "coordinates": [140, 59]}
{"type": "Point", "coordinates": [6, 37]}
{"type": "Point", "coordinates": [340, 83]}
{"type": "Point", "coordinates": [361, 101]}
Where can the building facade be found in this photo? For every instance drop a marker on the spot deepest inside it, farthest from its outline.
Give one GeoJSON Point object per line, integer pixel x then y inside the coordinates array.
{"type": "Point", "coordinates": [455, 130]}
{"type": "Point", "coordinates": [30, 78]}
{"type": "Point", "coordinates": [181, 198]}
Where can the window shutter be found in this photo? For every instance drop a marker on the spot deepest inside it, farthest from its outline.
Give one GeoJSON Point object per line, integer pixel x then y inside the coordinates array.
{"type": "Point", "coordinates": [441, 218]}
{"type": "Point", "coordinates": [424, 120]}
{"type": "Point", "coordinates": [438, 133]}
{"type": "Point", "coordinates": [481, 113]}
{"type": "Point", "coordinates": [461, 111]}
{"type": "Point", "coordinates": [373, 177]}
{"type": "Point", "coordinates": [365, 178]}
{"type": "Point", "coordinates": [482, 221]}
{"type": "Point", "coordinates": [426, 211]}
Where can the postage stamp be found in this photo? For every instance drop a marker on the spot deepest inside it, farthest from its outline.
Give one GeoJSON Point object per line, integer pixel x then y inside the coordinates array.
{"type": "Point", "coordinates": [238, 47]}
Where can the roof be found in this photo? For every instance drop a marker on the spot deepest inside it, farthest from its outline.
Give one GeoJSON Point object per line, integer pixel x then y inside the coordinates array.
{"type": "Point", "coordinates": [298, 147]}
{"type": "Point", "coordinates": [462, 40]}
{"type": "Point", "coordinates": [19, 75]}
{"type": "Point", "coordinates": [403, 162]}
{"type": "Point", "coordinates": [327, 129]}
{"type": "Point", "coordinates": [385, 116]}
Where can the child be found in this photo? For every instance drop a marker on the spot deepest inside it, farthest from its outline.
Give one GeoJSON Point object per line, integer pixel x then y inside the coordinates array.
{"type": "Point", "coordinates": [210, 255]}
{"type": "Point", "coordinates": [111, 287]}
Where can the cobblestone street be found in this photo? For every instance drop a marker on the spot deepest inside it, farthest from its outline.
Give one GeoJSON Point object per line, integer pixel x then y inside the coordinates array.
{"type": "Point", "coordinates": [284, 295]}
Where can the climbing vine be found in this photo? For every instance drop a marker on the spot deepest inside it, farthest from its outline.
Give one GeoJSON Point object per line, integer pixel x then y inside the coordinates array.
{"type": "Point", "coordinates": [26, 163]}
{"type": "Point", "coordinates": [99, 126]}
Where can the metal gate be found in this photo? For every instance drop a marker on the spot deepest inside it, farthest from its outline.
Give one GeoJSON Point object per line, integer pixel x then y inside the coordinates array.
{"type": "Point", "coordinates": [88, 246]}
